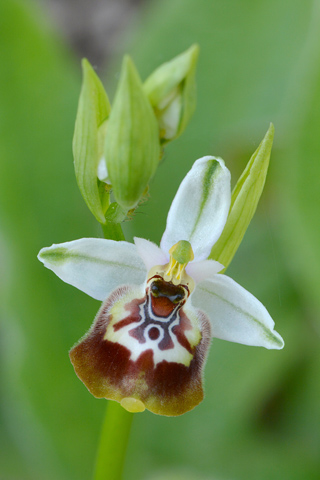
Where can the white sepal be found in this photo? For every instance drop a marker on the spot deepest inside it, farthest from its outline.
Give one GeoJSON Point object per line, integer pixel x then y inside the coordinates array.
{"type": "Point", "coordinates": [235, 314]}
{"type": "Point", "coordinates": [95, 265]}
{"type": "Point", "coordinates": [200, 208]}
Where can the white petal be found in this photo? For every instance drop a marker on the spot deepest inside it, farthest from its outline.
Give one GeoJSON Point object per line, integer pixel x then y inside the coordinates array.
{"type": "Point", "coordinates": [95, 265]}
{"type": "Point", "coordinates": [150, 253]}
{"type": "Point", "coordinates": [169, 118]}
{"type": "Point", "coordinates": [203, 270]}
{"type": "Point", "coordinates": [102, 172]}
{"type": "Point", "coordinates": [200, 208]}
{"type": "Point", "coordinates": [235, 314]}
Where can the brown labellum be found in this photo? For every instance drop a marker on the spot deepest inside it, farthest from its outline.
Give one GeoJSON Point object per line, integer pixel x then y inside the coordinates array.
{"type": "Point", "coordinates": [146, 346]}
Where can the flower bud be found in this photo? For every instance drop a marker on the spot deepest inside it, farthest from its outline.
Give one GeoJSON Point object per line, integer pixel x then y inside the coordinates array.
{"type": "Point", "coordinates": [115, 213]}
{"type": "Point", "coordinates": [132, 147]}
{"type": "Point", "coordinates": [244, 201]}
{"type": "Point", "coordinates": [93, 110]}
{"type": "Point", "coordinates": [171, 91]}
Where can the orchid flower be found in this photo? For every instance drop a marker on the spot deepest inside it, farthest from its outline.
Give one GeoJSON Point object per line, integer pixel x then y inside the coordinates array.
{"type": "Point", "coordinates": [161, 306]}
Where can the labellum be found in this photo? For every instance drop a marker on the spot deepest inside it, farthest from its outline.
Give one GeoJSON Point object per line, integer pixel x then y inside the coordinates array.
{"type": "Point", "coordinates": [146, 349]}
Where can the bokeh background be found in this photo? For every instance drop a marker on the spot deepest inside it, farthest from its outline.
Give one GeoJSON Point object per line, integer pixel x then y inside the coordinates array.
{"type": "Point", "coordinates": [259, 62]}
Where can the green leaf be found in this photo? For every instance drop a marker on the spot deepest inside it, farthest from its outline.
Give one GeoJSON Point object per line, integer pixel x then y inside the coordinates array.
{"type": "Point", "coordinates": [132, 149]}
{"type": "Point", "coordinates": [93, 109]}
{"type": "Point", "coordinates": [244, 201]}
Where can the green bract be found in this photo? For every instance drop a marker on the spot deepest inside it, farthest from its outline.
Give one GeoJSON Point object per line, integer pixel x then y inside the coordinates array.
{"type": "Point", "coordinates": [132, 148]}
{"type": "Point", "coordinates": [93, 110]}
{"type": "Point", "coordinates": [244, 201]}
{"type": "Point", "coordinates": [172, 93]}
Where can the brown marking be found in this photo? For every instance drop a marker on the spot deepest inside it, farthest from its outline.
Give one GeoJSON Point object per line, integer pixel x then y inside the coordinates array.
{"type": "Point", "coordinates": [168, 388]}
{"type": "Point", "coordinates": [138, 333]}
{"type": "Point", "coordinates": [154, 333]}
{"type": "Point", "coordinates": [134, 314]}
{"type": "Point", "coordinates": [162, 306]}
{"type": "Point", "coordinates": [178, 331]}
{"type": "Point", "coordinates": [166, 343]}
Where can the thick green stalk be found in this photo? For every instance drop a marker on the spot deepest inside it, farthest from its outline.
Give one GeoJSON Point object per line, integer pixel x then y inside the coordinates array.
{"type": "Point", "coordinates": [112, 231]}
{"type": "Point", "coordinates": [117, 423]}
{"type": "Point", "coordinates": [113, 443]}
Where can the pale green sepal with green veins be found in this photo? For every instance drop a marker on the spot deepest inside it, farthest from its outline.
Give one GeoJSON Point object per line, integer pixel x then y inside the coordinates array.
{"type": "Point", "coordinates": [171, 90]}
{"type": "Point", "coordinates": [244, 201]}
{"type": "Point", "coordinates": [132, 148]}
{"type": "Point", "coordinates": [200, 208]}
{"type": "Point", "coordinates": [95, 265]}
{"type": "Point", "coordinates": [93, 109]}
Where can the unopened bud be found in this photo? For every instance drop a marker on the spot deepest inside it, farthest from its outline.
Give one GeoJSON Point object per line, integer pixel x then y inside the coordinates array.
{"type": "Point", "coordinates": [93, 110]}
{"type": "Point", "coordinates": [132, 147]}
{"type": "Point", "coordinates": [171, 91]}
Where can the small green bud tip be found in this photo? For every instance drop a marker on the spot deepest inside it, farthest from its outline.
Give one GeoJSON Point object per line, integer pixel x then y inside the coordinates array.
{"type": "Point", "coordinates": [127, 63]}
{"type": "Point", "coordinates": [270, 133]}
{"type": "Point", "coordinates": [85, 64]}
{"type": "Point", "coordinates": [194, 51]}
{"type": "Point", "coordinates": [129, 72]}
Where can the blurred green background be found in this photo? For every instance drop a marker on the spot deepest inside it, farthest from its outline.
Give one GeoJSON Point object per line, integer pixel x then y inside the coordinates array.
{"type": "Point", "coordinates": [259, 62]}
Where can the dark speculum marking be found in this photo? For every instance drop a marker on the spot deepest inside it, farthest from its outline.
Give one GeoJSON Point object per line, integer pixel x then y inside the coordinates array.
{"type": "Point", "coordinates": [154, 333]}
{"type": "Point", "coordinates": [160, 315]}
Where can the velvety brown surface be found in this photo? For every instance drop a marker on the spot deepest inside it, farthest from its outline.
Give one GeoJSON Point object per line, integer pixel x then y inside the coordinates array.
{"type": "Point", "coordinates": [168, 388]}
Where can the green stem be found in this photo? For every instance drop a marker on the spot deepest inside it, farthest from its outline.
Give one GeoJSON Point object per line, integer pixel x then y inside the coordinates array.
{"type": "Point", "coordinates": [117, 423]}
{"type": "Point", "coordinates": [113, 443]}
{"type": "Point", "coordinates": [112, 230]}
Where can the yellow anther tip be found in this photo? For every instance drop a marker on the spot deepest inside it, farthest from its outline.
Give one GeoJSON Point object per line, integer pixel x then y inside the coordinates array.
{"type": "Point", "coordinates": [132, 405]}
